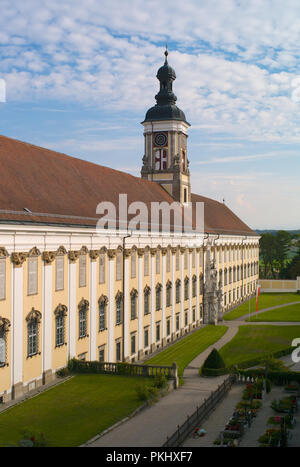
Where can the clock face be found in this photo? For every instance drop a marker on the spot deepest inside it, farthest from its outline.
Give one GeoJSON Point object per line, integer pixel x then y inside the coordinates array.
{"type": "Point", "coordinates": [160, 139]}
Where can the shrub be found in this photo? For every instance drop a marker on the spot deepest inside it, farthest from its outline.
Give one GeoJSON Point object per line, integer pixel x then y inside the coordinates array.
{"type": "Point", "coordinates": [32, 439]}
{"type": "Point", "coordinates": [63, 372]}
{"type": "Point", "coordinates": [214, 361]}
{"type": "Point", "coordinates": [145, 393]}
{"type": "Point", "coordinates": [160, 381]}
{"type": "Point", "coordinates": [213, 371]}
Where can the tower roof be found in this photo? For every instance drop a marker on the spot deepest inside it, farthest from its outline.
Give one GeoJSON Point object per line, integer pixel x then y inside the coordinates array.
{"type": "Point", "coordinates": [166, 108]}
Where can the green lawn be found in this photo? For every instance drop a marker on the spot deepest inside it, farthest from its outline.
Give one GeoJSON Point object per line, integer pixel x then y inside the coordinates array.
{"type": "Point", "coordinates": [286, 313]}
{"type": "Point", "coordinates": [184, 351]}
{"type": "Point", "coordinates": [266, 300]}
{"type": "Point", "coordinates": [253, 341]}
{"type": "Point", "coordinates": [73, 412]}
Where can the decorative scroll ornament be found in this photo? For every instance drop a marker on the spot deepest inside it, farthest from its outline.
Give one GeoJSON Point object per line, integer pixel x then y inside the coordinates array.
{"type": "Point", "coordinates": [61, 310]}
{"type": "Point", "coordinates": [4, 324]}
{"type": "Point", "coordinates": [153, 251]}
{"type": "Point", "coordinates": [83, 305]}
{"type": "Point", "coordinates": [73, 256]}
{"type": "Point", "coordinates": [164, 251]}
{"type": "Point", "coordinates": [3, 252]}
{"type": "Point", "coordinates": [127, 253]}
{"type": "Point", "coordinates": [34, 252]}
{"type": "Point", "coordinates": [34, 315]}
{"type": "Point", "coordinates": [103, 300]}
{"type": "Point", "coordinates": [191, 250]}
{"type": "Point", "coordinates": [134, 293]}
{"type": "Point", "coordinates": [198, 249]}
{"type": "Point", "coordinates": [119, 296]}
{"type": "Point", "coordinates": [18, 258]}
{"type": "Point", "coordinates": [182, 249]}
{"type": "Point", "coordinates": [83, 250]}
{"type": "Point", "coordinates": [158, 287]}
{"type": "Point", "coordinates": [141, 252]}
{"type": "Point", "coordinates": [49, 256]}
{"type": "Point", "coordinates": [94, 254]}
{"type": "Point", "coordinates": [174, 250]}
{"type": "Point", "coordinates": [61, 251]}
{"type": "Point", "coordinates": [111, 254]}
{"type": "Point", "coordinates": [169, 284]}
{"type": "Point", "coordinates": [147, 290]}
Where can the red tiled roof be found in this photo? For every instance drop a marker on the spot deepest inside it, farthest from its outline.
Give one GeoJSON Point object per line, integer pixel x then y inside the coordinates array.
{"type": "Point", "coordinates": [59, 189]}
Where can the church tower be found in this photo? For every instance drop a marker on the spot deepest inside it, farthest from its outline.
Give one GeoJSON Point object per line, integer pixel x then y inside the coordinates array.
{"type": "Point", "coordinates": [166, 132]}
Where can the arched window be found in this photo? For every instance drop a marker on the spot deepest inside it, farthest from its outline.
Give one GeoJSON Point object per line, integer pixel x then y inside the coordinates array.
{"type": "Point", "coordinates": [102, 302]}
{"type": "Point", "coordinates": [186, 288]}
{"type": "Point", "coordinates": [83, 311]}
{"type": "Point", "coordinates": [133, 297]}
{"type": "Point", "coordinates": [158, 297]}
{"type": "Point", "coordinates": [60, 313]}
{"type": "Point", "coordinates": [194, 286]}
{"type": "Point", "coordinates": [169, 293]}
{"type": "Point", "coordinates": [178, 286]}
{"type": "Point", "coordinates": [4, 327]}
{"type": "Point", "coordinates": [119, 308]}
{"type": "Point", "coordinates": [146, 300]}
{"type": "Point", "coordinates": [33, 320]}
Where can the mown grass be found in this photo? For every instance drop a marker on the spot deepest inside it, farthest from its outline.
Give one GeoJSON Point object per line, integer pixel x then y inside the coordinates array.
{"type": "Point", "coordinates": [184, 351]}
{"type": "Point", "coordinates": [289, 313]}
{"type": "Point", "coordinates": [254, 341]}
{"type": "Point", "coordinates": [266, 300]}
{"type": "Point", "coordinates": [73, 412]}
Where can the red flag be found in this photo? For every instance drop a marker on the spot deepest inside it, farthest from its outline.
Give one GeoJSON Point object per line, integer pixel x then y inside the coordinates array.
{"type": "Point", "coordinates": [257, 295]}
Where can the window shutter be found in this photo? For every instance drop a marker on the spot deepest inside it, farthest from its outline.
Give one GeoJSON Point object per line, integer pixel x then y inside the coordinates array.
{"type": "Point", "coordinates": [2, 279]}
{"type": "Point", "coordinates": [82, 271]}
{"type": "Point", "coordinates": [60, 273]}
{"type": "Point", "coordinates": [32, 276]}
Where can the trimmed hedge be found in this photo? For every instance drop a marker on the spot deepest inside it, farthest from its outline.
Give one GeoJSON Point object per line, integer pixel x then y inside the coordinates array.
{"type": "Point", "coordinates": [213, 371]}
{"type": "Point", "coordinates": [214, 365]}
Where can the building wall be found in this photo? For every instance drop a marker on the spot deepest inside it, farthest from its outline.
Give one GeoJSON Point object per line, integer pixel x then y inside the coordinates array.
{"type": "Point", "coordinates": [280, 285]}
{"type": "Point", "coordinates": [21, 373]}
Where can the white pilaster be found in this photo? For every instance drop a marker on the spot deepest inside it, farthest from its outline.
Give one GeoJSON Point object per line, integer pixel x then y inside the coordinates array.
{"type": "Point", "coordinates": [47, 316]}
{"type": "Point", "coordinates": [17, 325]}
{"type": "Point", "coordinates": [93, 310]}
{"type": "Point", "coordinates": [163, 308]}
{"type": "Point", "coordinates": [72, 310]}
{"type": "Point", "coordinates": [140, 303]}
{"type": "Point", "coordinates": [126, 308]}
{"type": "Point", "coordinates": [152, 331]}
{"type": "Point", "coordinates": [182, 291]}
{"type": "Point", "coordinates": [173, 291]}
{"type": "Point", "coordinates": [111, 311]}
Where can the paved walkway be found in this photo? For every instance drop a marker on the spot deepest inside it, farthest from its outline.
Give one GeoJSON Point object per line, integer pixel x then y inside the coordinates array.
{"type": "Point", "coordinates": [152, 425]}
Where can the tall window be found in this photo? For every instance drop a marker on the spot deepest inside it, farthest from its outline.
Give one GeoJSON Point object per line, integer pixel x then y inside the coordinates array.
{"type": "Point", "coordinates": [157, 262]}
{"type": "Point", "coordinates": [201, 284]}
{"type": "Point", "coordinates": [169, 293]}
{"type": "Point", "coordinates": [186, 288]}
{"type": "Point", "coordinates": [168, 260]}
{"type": "Point", "coordinates": [2, 279]}
{"type": "Point", "coordinates": [133, 264]}
{"type": "Point", "coordinates": [146, 300]}
{"type": "Point", "coordinates": [119, 308]}
{"type": "Point", "coordinates": [59, 273]}
{"type": "Point", "coordinates": [178, 285]}
{"type": "Point", "coordinates": [158, 297]}
{"type": "Point", "coordinates": [194, 314]}
{"type": "Point", "coordinates": [177, 321]}
{"type": "Point", "coordinates": [102, 268]}
{"type": "Point", "coordinates": [102, 353]}
{"type": "Point", "coordinates": [168, 326]}
{"type": "Point", "coordinates": [59, 324]}
{"type": "Point", "coordinates": [133, 296]}
{"type": "Point", "coordinates": [2, 348]}
{"type": "Point", "coordinates": [177, 260]}
{"type": "Point", "coordinates": [186, 258]}
{"type": "Point", "coordinates": [118, 351]}
{"type": "Point", "coordinates": [83, 309]}
{"type": "Point", "coordinates": [82, 270]}
{"type": "Point", "coordinates": [102, 312]}
{"type": "Point", "coordinates": [146, 337]}
{"type": "Point", "coordinates": [32, 276]}
{"type": "Point", "coordinates": [146, 263]}
{"type": "Point", "coordinates": [33, 320]}
{"type": "Point", "coordinates": [157, 332]}
{"type": "Point", "coordinates": [133, 348]}
{"type": "Point", "coordinates": [194, 286]}
{"type": "Point", "coordinates": [118, 265]}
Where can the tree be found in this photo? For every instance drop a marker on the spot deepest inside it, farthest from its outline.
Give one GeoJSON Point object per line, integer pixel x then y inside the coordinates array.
{"type": "Point", "coordinates": [282, 246]}
{"type": "Point", "coordinates": [267, 253]}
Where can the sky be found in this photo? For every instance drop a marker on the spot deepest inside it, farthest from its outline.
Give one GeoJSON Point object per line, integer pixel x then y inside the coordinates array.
{"type": "Point", "coordinates": [80, 75]}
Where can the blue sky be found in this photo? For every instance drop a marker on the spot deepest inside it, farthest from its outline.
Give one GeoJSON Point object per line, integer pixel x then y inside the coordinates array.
{"type": "Point", "coordinates": [80, 76]}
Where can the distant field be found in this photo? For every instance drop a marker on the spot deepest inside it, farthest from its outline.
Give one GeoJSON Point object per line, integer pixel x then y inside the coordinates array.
{"type": "Point", "coordinates": [253, 341]}
{"type": "Point", "coordinates": [289, 313]}
{"type": "Point", "coordinates": [266, 300]}
{"type": "Point", "coordinates": [184, 351]}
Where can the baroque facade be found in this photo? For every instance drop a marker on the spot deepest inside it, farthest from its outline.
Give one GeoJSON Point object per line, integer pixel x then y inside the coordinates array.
{"type": "Point", "coordinates": [68, 290]}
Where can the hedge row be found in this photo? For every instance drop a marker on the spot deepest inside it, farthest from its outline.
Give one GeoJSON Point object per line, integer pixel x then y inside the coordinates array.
{"type": "Point", "coordinates": [214, 371]}
{"type": "Point", "coordinates": [257, 361]}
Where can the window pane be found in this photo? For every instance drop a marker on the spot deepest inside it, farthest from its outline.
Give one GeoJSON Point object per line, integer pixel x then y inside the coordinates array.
{"type": "Point", "coordinates": [32, 276]}
{"type": "Point", "coordinates": [2, 348]}
{"type": "Point", "coordinates": [82, 271]}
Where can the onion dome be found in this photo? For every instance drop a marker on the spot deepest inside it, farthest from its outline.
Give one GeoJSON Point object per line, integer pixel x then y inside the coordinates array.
{"type": "Point", "coordinates": [165, 109]}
